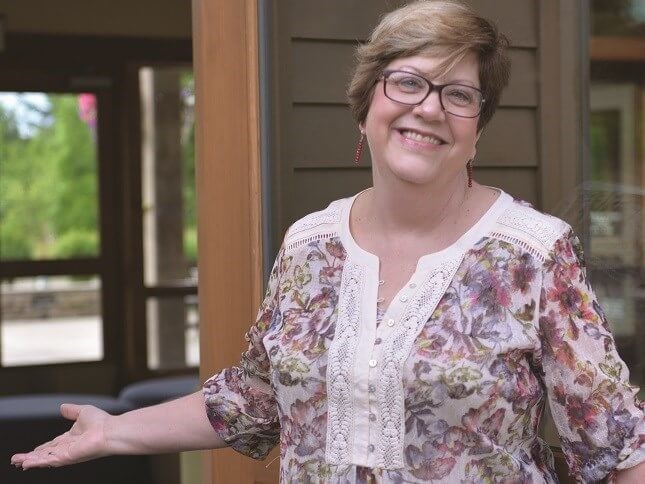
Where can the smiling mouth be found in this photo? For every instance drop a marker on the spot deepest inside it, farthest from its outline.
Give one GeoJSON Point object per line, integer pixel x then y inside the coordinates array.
{"type": "Point", "coordinates": [423, 138]}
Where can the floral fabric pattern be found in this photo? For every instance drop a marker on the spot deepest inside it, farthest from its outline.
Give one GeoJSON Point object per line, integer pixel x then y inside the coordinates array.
{"type": "Point", "coordinates": [512, 331]}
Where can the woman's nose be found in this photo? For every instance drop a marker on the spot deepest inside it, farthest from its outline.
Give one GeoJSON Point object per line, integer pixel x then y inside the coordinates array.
{"type": "Point", "coordinates": [430, 107]}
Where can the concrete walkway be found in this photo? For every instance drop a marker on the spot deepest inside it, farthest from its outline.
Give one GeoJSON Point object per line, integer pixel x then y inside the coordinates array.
{"type": "Point", "coordinates": [34, 342]}
{"type": "Point", "coordinates": [64, 340]}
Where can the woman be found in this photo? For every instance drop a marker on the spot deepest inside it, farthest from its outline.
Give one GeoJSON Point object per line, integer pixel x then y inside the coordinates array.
{"type": "Point", "coordinates": [414, 331]}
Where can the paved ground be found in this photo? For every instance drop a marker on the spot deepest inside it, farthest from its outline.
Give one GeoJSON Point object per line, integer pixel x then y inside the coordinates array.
{"type": "Point", "coordinates": [33, 342]}
{"type": "Point", "coordinates": [51, 341]}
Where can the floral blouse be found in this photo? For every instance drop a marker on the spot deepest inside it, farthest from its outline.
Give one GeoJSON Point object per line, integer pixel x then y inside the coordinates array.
{"type": "Point", "coordinates": [449, 383]}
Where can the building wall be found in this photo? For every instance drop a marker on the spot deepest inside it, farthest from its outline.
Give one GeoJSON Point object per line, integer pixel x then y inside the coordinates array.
{"type": "Point", "coordinates": [140, 18]}
{"type": "Point", "coordinates": [315, 45]}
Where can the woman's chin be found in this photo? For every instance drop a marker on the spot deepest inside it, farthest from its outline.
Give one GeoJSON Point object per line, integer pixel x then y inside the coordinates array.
{"type": "Point", "coordinates": [418, 176]}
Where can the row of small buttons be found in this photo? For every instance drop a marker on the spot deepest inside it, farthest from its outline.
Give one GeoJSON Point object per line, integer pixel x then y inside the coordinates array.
{"type": "Point", "coordinates": [373, 363]}
{"type": "Point", "coordinates": [371, 388]}
{"type": "Point", "coordinates": [405, 298]}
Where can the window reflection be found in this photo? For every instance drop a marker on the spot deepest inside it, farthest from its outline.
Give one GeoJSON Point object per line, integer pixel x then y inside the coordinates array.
{"type": "Point", "coordinates": [613, 192]}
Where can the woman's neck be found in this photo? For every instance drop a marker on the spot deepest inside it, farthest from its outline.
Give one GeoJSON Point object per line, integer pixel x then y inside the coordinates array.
{"type": "Point", "coordinates": [400, 208]}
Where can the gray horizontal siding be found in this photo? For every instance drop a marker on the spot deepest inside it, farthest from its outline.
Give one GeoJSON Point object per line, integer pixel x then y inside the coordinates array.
{"type": "Point", "coordinates": [321, 71]}
{"type": "Point", "coordinates": [324, 136]}
{"type": "Point", "coordinates": [319, 136]}
{"type": "Point", "coordinates": [354, 19]}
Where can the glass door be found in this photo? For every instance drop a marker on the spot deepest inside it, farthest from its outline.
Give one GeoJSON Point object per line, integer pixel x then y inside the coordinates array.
{"type": "Point", "coordinates": [57, 270]}
{"type": "Point", "coordinates": [614, 183]}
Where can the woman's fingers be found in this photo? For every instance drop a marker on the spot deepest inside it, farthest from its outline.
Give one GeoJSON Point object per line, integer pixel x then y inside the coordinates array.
{"type": "Point", "coordinates": [56, 441]}
{"type": "Point", "coordinates": [36, 458]}
{"type": "Point", "coordinates": [41, 459]}
{"type": "Point", "coordinates": [50, 455]}
{"type": "Point", "coordinates": [84, 441]}
{"type": "Point", "coordinates": [70, 411]}
{"type": "Point", "coordinates": [18, 459]}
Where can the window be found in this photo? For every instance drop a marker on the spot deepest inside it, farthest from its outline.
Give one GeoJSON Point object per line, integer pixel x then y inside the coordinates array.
{"type": "Point", "coordinates": [168, 216]}
{"type": "Point", "coordinates": [614, 197]}
{"type": "Point", "coordinates": [50, 243]}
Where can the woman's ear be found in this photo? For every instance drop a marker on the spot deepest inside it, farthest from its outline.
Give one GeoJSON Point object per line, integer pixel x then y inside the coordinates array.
{"type": "Point", "coordinates": [361, 127]}
{"type": "Point", "coordinates": [474, 153]}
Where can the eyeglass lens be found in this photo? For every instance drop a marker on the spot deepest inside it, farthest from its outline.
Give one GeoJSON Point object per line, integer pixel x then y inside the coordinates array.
{"type": "Point", "coordinates": [412, 89]}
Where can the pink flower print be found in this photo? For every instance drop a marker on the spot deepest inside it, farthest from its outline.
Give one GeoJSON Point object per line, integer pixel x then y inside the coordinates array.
{"type": "Point", "coordinates": [336, 249]}
{"type": "Point", "coordinates": [305, 430]}
{"type": "Point", "coordinates": [567, 296]}
{"type": "Point", "coordinates": [427, 463]}
{"type": "Point", "coordinates": [523, 273]}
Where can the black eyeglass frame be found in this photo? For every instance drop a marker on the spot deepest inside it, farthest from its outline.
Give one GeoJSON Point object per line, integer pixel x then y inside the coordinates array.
{"type": "Point", "coordinates": [431, 87]}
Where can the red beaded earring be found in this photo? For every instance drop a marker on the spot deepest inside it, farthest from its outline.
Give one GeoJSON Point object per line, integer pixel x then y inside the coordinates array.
{"type": "Point", "coordinates": [359, 149]}
{"type": "Point", "coordinates": [469, 170]}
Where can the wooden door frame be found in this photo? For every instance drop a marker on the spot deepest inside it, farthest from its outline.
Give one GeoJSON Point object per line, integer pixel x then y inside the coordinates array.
{"type": "Point", "coordinates": [227, 144]}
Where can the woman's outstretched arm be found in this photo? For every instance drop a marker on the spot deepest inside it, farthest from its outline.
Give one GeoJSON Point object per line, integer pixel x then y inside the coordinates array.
{"type": "Point", "coordinates": [173, 426]}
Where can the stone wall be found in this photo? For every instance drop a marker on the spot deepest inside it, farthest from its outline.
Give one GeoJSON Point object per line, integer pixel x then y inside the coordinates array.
{"type": "Point", "coordinates": [63, 303]}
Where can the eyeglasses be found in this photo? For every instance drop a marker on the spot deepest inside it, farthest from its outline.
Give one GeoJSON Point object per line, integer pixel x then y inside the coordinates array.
{"type": "Point", "coordinates": [412, 89]}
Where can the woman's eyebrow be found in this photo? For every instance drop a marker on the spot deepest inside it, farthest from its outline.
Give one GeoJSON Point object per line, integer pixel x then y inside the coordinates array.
{"type": "Point", "coordinates": [429, 76]}
{"type": "Point", "coordinates": [463, 81]}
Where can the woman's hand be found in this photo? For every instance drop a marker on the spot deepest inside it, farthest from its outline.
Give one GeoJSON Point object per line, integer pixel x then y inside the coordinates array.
{"type": "Point", "coordinates": [172, 426]}
{"type": "Point", "coordinates": [84, 441]}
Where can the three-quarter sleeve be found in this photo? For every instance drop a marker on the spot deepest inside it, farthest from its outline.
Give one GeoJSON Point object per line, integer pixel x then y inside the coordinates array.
{"type": "Point", "coordinates": [240, 401]}
{"type": "Point", "coordinates": [595, 409]}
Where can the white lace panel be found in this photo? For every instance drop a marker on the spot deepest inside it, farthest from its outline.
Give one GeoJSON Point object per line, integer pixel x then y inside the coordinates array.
{"type": "Point", "coordinates": [330, 215]}
{"type": "Point", "coordinates": [340, 366]}
{"type": "Point", "coordinates": [396, 348]}
{"type": "Point", "coordinates": [532, 227]}
{"type": "Point", "coordinates": [390, 433]}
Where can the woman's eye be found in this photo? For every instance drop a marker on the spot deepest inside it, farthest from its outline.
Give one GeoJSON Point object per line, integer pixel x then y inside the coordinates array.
{"type": "Point", "coordinates": [409, 83]}
{"type": "Point", "coordinates": [460, 96]}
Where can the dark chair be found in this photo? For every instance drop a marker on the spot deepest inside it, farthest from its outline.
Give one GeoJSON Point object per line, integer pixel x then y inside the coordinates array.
{"type": "Point", "coordinates": [156, 390]}
{"type": "Point", "coordinates": [164, 469]}
{"type": "Point", "coordinates": [28, 420]}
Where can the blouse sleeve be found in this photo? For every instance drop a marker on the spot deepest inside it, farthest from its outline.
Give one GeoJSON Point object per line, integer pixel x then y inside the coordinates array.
{"type": "Point", "coordinates": [595, 409]}
{"type": "Point", "coordinates": [240, 402]}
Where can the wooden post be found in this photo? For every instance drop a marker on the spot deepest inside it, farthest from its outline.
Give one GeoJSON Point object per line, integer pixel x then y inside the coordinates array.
{"type": "Point", "coordinates": [227, 137]}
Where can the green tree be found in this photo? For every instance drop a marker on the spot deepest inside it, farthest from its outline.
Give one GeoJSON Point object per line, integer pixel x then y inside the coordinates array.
{"type": "Point", "coordinates": [74, 188]}
{"type": "Point", "coordinates": [48, 192]}
{"type": "Point", "coordinates": [24, 227]}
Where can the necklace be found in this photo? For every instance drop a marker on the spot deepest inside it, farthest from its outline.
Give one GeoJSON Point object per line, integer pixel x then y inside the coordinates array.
{"type": "Point", "coordinates": [382, 282]}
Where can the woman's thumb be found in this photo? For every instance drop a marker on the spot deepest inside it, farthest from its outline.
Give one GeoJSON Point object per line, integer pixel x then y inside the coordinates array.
{"type": "Point", "coordinates": [70, 411]}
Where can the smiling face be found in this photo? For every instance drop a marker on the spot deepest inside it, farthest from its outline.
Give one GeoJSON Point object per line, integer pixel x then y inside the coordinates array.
{"type": "Point", "coordinates": [422, 144]}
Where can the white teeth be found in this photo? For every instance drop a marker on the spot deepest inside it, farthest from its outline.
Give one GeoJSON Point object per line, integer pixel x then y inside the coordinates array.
{"type": "Point", "coordinates": [419, 137]}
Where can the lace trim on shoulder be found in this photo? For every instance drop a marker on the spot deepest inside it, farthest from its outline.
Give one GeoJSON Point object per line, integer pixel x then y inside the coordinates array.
{"type": "Point", "coordinates": [396, 348]}
{"type": "Point", "coordinates": [330, 215]}
{"type": "Point", "coordinates": [535, 231]}
{"type": "Point", "coordinates": [517, 241]}
{"type": "Point", "coordinates": [312, 238]}
{"type": "Point", "coordinates": [340, 369]}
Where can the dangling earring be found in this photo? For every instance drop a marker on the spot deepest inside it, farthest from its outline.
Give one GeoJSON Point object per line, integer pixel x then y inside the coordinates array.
{"type": "Point", "coordinates": [469, 170]}
{"type": "Point", "coordinates": [359, 149]}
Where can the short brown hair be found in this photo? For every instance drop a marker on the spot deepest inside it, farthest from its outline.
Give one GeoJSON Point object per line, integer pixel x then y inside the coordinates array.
{"type": "Point", "coordinates": [443, 28]}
